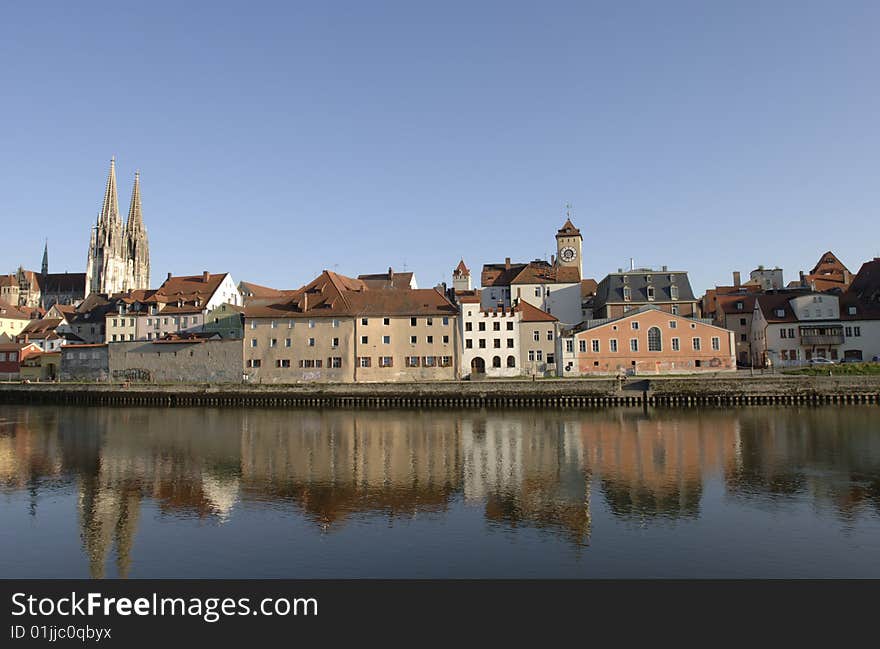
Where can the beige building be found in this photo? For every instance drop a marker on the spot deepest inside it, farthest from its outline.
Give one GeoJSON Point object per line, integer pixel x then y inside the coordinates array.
{"type": "Point", "coordinates": [538, 331]}
{"type": "Point", "coordinates": [338, 329]}
{"type": "Point", "coordinates": [12, 320]}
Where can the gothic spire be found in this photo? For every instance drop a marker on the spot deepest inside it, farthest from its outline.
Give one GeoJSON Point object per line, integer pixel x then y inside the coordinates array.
{"type": "Point", "coordinates": [45, 268]}
{"type": "Point", "coordinates": [135, 222]}
{"type": "Point", "coordinates": [109, 215]}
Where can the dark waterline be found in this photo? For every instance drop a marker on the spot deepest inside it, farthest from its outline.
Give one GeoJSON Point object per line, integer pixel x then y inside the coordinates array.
{"type": "Point", "coordinates": [764, 492]}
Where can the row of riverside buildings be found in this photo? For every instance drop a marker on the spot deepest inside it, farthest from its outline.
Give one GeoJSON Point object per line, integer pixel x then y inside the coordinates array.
{"type": "Point", "coordinates": [540, 318]}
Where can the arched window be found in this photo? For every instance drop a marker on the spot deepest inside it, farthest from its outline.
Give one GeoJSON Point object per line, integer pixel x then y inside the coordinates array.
{"type": "Point", "coordinates": [496, 361]}
{"type": "Point", "coordinates": [511, 361]}
{"type": "Point", "coordinates": [654, 344]}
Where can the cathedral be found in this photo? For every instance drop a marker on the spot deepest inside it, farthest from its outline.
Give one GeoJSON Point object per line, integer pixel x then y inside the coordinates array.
{"type": "Point", "coordinates": [119, 255]}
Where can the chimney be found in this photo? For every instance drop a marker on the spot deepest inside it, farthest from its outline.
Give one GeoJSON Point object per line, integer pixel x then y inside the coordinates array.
{"type": "Point", "coordinates": [736, 278]}
{"type": "Point", "coordinates": [169, 277]}
{"type": "Point", "coordinates": [390, 273]}
{"type": "Point", "coordinates": [305, 301]}
{"type": "Point", "coordinates": [205, 276]}
{"type": "Point", "coordinates": [507, 263]}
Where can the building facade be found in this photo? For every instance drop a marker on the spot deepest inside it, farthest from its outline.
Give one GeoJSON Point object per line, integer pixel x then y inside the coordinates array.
{"type": "Point", "coordinates": [338, 329]}
{"type": "Point", "coordinates": [118, 257]}
{"type": "Point", "coordinates": [625, 291]}
{"type": "Point", "coordinates": [647, 340]}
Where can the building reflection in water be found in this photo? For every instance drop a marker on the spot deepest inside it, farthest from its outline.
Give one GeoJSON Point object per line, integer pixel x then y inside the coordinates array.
{"type": "Point", "coordinates": [525, 469]}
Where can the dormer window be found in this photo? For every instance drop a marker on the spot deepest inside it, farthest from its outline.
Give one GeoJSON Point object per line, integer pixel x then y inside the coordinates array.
{"type": "Point", "coordinates": [651, 293]}
{"type": "Point", "coordinates": [851, 310]}
{"type": "Point", "coordinates": [780, 313]}
{"type": "Point", "coordinates": [739, 306]}
{"type": "Point", "coordinates": [673, 292]}
{"type": "Point", "coordinates": [649, 278]}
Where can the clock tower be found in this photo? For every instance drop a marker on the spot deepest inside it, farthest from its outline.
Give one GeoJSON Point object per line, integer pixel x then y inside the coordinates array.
{"type": "Point", "coordinates": [569, 246]}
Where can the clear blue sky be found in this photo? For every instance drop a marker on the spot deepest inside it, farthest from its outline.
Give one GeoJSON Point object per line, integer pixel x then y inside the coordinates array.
{"type": "Point", "coordinates": [278, 139]}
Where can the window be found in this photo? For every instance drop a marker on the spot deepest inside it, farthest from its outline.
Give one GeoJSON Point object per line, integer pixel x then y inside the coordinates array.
{"type": "Point", "coordinates": [445, 340]}
{"type": "Point", "coordinates": [468, 344]}
{"type": "Point", "coordinates": [673, 292]}
{"type": "Point", "coordinates": [612, 344]}
{"type": "Point", "coordinates": [150, 322]}
{"type": "Point", "coordinates": [496, 343]}
{"type": "Point", "coordinates": [550, 335]}
{"type": "Point", "coordinates": [481, 326]}
{"type": "Point", "coordinates": [496, 361]}
{"type": "Point", "coordinates": [468, 326]}
{"type": "Point", "coordinates": [333, 343]}
{"type": "Point", "coordinates": [413, 340]}
{"type": "Point", "coordinates": [364, 361]}
{"type": "Point", "coordinates": [446, 361]}
{"type": "Point", "coordinates": [429, 322]}
{"type": "Point", "coordinates": [537, 336]}
{"type": "Point", "coordinates": [282, 362]}
{"type": "Point", "coordinates": [511, 361]}
{"type": "Point", "coordinates": [115, 320]}
{"type": "Point", "coordinates": [290, 324]}
{"type": "Point", "coordinates": [335, 362]}
{"type": "Point", "coordinates": [386, 321]}
{"type": "Point", "coordinates": [273, 342]}
{"type": "Point", "coordinates": [312, 342]}
{"type": "Point", "coordinates": [651, 293]}
{"type": "Point", "coordinates": [673, 324]}
{"type": "Point", "coordinates": [857, 331]}
{"type": "Point", "coordinates": [412, 361]}
{"type": "Point", "coordinates": [696, 344]}
{"type": "Point", "coordinates": [335, 323]}
{"type": "Point", "coordinates": [386, 361]}
{"type": "Point", "coordinates": [274, 324]}
{"type": "Point", "coordinates": [716, 343]}
{"type": "Point", "coordinates": [312, 324]}
{"type": "Point", "coordinates": [496, 326]}
{"type": "Point", "coordinates": [848, 332]}
{"type": "Point", "coordinates": [531, 355]}
{"type": "Point", "coordinates": [412, 322]}
{"type": "Point", "coordinates": [782, 333]}
{"type": "Point", "coordinates": [253, 342]}
{"type": "Point", "coordinates": [539, 355]}
{"type": "Point", "coordinates": [675, 345]}
{"type": "Point", "coordinates": [510, 343]}
{"type": "Point", "coordinates": [780, 313]}
{"type": "Point", "coordinates": [655, 343]}
{"type": "Point", "coordinates": [510, 326]}
{"type": "Point", "coordinates": [365, 321]}
{"type": "Point", "coordinates": [550, 359]}
{"type": "Point", "coordinates": [674, 309]}
{"type": "Point", "coordinates": [569, 346]}
{"type": "Point", "coordinates": [364, 340]}
{"type": "Point", "coordinates": [851, 310]}
{"type": "Point", "coordinates": [582, 346]}
{"type": "Point", "coordinates": [791, 333]}
{"type": "Point", "coordinates": [634, 344]}
{"type": "Point", "coordinates": [537, 291]}
{"type": "Point", "coordinates": [445, 323]}
{"type": "Point", "coordinates": [386, 340]}
{"type": "Point", "coordinates": [429, 361]}
{"type": "Point", "coordinates": [635, 325]}
{"type": "Point", "coordinates": [743, 338]}
{"type": "Point", "coordinates": [254, 362]}
{"type": "Point", "coordinates": [287, 342]}
{"type": "Point", "coordinates": [594, 344]}
{"type": "Point", "coordinates": [429, 340]}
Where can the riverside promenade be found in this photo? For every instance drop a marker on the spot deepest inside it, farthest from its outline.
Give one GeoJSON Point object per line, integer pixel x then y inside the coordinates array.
{"type": "Point", "coordinates": [678, 391]}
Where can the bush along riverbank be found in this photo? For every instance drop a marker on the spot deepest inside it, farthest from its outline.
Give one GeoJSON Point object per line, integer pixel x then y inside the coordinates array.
{"type": "Point", "coordinates": [565, 393]}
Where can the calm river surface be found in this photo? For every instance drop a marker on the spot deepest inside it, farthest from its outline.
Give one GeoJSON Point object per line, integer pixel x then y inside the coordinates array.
{"type": "Point", "coordinates": [761, 492]}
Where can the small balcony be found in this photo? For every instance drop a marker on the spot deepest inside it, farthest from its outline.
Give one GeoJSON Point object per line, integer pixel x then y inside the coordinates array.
{"type": "Point", "coordinates": [821, 337]}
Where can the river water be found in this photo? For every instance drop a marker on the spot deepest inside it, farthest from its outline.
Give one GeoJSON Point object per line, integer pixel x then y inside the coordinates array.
{"type": "Point", "coordinates": [129, 492]}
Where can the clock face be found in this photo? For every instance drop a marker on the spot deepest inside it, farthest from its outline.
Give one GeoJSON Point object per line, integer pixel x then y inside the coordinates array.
{"type": "Point", "coordinates": [568, 253]}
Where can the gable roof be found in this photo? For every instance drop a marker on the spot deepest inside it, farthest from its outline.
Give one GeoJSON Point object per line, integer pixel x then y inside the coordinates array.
{"type": "Point", "coordinates": [389, 280]}
{"type": "Point", "coordinates": [14, 312]}
{"type": "Point", "coordinates": [610, 289]}
{"type": "Point", "coordinates": [461, 270]}
{"type": "Point", "coordinates": [542, 272]}
{"type": "Point", "coordinates": [567, 230]}
{"type": "Point", "coordinates": [531, 313]}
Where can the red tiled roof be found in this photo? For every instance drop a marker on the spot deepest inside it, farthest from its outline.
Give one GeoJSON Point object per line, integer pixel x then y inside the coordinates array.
{"type": "Point", "coordinates": [14, 312]}
{"type": "Point", "coordinates": [568, 229]}
{"type": "Point", "coordinates": [461, 269]}
{"type": "Point", "coordinates": [531, 313]}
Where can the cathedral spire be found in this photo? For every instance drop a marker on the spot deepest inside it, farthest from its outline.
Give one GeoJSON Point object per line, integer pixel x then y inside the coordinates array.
{"type": "Point", "coordinates": [45, 268]}
{"type": "Point", "coordinates": [109, 215]}
{"type": "Point", "coordinates": [135, 222]}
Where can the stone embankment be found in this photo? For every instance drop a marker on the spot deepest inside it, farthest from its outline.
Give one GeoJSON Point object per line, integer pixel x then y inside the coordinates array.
{"type": "Point", "coordinates": [549, 393]}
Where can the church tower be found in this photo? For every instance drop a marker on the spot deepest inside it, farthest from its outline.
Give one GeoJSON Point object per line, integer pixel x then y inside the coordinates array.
{"type": "Point", "coordinates": [461, 277]}
{"type": "Point", "coordinates": [119, 257]}
{"type": "Point", "coordinates": [136, 245]}
{"type": "Point", "coordinates": [569, 246]}
{"type": "Point", "coordinates": [44, 270]}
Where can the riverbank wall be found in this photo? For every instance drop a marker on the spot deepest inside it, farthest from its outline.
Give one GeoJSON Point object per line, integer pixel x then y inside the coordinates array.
{"type": "Point", "coordinates": [549, 393]}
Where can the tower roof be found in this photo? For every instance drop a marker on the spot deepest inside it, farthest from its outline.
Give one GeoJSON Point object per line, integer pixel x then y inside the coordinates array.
{"type": "Point", "coordinates": [461, 269]}
{"type": "Point", "coordinates": [110, 207]}
{"type": "Point", "coordinates": [135, 222]}
{"type": "Point", "coordinates": [568, 230]}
